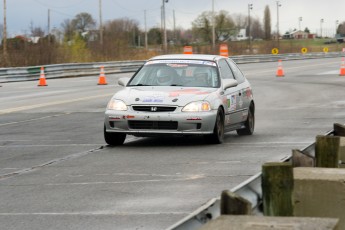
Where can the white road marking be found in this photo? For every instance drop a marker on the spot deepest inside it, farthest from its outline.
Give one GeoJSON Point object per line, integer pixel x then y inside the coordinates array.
{"type": "Point", "coordinates": [192, 177]}
{"type": "Point", "coordinates": [101, 213]}
{"type": "Point", "coordinates": [34, 119]}
{"type": "Point", "coordinates": [28, 107]}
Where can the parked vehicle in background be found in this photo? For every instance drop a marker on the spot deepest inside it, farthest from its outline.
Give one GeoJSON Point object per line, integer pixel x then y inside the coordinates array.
{"type": "Point", "coordinates": [204, 95]}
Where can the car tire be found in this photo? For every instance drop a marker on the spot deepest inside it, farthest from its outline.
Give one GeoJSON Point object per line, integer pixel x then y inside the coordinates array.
{"type": "Point", "coordinates": [217, 137]}
{"type": "Point", "coordinates": [114, 139]}
{"type": "Point", "coordinates": [249, 124]}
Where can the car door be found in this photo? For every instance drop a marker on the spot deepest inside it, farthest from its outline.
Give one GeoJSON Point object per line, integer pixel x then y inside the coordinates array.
{"type": "Point", "coordinates": [232, 95]}
{"type": "Point", "coordinates": [244, 88]}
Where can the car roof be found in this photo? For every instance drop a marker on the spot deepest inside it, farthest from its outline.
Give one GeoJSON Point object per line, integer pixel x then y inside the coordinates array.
{"type": "Point", "coordinates": [206, 57]}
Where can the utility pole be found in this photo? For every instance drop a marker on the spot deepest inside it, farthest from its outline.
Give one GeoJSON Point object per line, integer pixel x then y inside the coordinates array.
{"type": "Point", "coordinates": [5, 37]}
{"type": "Point", "coordinates": [100, 23]}
{"type": "Point", "coordinates": [250, 7]}
{"type": "Point", "coordinates": [321, 21]}
{"type": "Point", "coordinates": [213, 30]}
{"type": "Point", "coordinates": [165, 43]}
{"type": "Point", "coordinates": [174, 19]}
{"type": "Point", "coordinates": [278, 5]}
{"type": "Point", "coordinates": [146, 46]}
{"type": "Point", "coordinates": [299, 22]}
{"type": "Point", "coordinates": [48, 26]}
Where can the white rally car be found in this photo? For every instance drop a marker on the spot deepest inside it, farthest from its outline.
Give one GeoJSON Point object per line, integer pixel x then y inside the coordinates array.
{"type": "Point", "coordinates": [181, 95]}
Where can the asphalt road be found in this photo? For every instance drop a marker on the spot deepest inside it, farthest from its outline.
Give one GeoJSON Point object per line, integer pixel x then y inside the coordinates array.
{"type": "Point", "coordinates": [57, 173]}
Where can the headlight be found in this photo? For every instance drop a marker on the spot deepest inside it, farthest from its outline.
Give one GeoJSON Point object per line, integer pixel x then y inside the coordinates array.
{"type": "Point", "coordinates": [198, 106]}
{"type": "Point", "coordinates": [115, 104]}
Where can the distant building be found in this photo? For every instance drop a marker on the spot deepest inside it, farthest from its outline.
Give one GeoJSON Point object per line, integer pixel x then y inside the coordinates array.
{"type": "Point", "coordinates": [240, 36]}
{"type": "Point", "coordinates": [298, 34]}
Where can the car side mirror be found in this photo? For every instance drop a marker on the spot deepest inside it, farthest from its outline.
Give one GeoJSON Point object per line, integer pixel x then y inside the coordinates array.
{"type": "Point", "coordinates": [229, 83]}
{"type": "Point", "coordinates": [123, 81]}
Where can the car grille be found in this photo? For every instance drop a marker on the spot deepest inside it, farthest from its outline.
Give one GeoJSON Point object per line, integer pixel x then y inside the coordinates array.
{"type": "Point", "coordinates": [167, 125]}
{"type": "Point", "coordinates": [154, 108]}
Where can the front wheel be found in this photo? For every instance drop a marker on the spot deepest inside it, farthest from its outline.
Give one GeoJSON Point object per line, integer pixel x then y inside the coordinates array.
{"type": "Point", "coordinates": [114, 139]}
{"type": "Point", "coordinates": [217, 137]}
{"type": "Point", "coordinates": [249, 124]}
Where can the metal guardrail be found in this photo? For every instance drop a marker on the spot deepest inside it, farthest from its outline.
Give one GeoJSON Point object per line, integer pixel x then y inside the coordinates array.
{"type": "Point", "coordinates": [67, 70]}
{"type": "Point", "coordinates": [249, 190]}
{"type": "Point", "coordinates": [89, 69]}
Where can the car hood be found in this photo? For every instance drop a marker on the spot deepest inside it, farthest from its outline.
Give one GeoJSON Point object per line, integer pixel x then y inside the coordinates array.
{"type": "Point", "coordinates": [179, 96]}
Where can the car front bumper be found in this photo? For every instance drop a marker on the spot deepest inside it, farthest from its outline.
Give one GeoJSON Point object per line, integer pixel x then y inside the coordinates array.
{"type": "Point", "coordinates": [157, 123]}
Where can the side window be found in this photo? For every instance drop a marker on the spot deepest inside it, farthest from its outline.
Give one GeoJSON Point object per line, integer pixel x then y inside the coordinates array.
{"type": "Point", "coordinates": [238, 74]}
{"type": "Point", "coordinates": [225, 70]}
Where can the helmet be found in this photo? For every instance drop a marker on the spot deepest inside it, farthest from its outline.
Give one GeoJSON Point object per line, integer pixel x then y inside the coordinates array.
{"type": "Point", "coordinates": [201, 76]}
{"type": "Point", "coordinates": [165, 76]}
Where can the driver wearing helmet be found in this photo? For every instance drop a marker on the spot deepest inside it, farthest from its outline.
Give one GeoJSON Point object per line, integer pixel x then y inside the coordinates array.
{"type": "Point", "coordinates": [201, 75]}
{"type": "Point", "coordinates": [165, 76]}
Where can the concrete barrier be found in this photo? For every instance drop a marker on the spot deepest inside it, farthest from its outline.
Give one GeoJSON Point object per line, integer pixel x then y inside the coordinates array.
{"type": "Point", "coordinates": [317, 194]}
{"type": "Point", "coordinates": [264, 223]}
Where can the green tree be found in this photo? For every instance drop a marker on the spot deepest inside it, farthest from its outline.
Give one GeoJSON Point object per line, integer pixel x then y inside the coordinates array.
{"type": "Point", "coordinates": [154, 36]}
{"type": "Point", "coordinates": [307, 30]}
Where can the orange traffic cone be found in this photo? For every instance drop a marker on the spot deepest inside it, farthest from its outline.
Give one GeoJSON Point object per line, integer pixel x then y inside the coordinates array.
{"type": "Point", "coordinates": [280, 71]}
{"type": "Point", "coordinates": [342, 67]}
{"type": "Point", "coordinates": [42, 81]}
{"type": "Point", "coordinates": [101, 79]}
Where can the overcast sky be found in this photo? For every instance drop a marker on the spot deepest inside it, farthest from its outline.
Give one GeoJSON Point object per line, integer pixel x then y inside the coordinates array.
{"type": "Point", "coordinates": [21, 13]}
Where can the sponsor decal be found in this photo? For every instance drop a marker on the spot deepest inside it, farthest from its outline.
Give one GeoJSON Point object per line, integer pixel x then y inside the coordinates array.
{"type": "Point", "coordinates": [128, 117]}
{"type": "Point", "coordinates": [150, 99]}
{"type": "Point", "coordinates": [244, 115]}
{"type": "Point", "coordinates": [194, 119]}
{"type": "Point", "coordinates": [115, 118]}
{"type": "Point", "coordinates": [248, 93]}
{"type": "Point", "coordinates": [240, 103]}
{"type": "Point", "coordinates": [177, 93]}
{"type": "Point", "coordinates": [169, 62]}
{"type": "Point", "coordinates": [231, 103]}
{"type": "Point", "coordinates": [178, 65]}
{"type": "Point", "coordinates": [227, 119]}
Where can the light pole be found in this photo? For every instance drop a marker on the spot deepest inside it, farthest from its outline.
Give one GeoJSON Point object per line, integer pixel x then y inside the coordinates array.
{"type": "Point", "coordinates": [278, 5]}
{"type": "Point", "coordinates": [100, 23]}
{"type": "Point", "coordinates": [336, 27]}
{"type": "Point", "coordinates": [250, 7]}
{"type": "Point", "coordinates": [321, 21]}
{"type": "Point", "coordinates": [213, 30]}
{"type": "Point", "coordinates": [299, 22]}
{"type": "Point", "coordinates": [5, 37]}
{"type": "Point", "coordinates": [165, 43]}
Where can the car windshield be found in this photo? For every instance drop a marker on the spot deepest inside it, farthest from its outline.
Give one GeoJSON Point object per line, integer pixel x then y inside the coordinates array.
{"type": "Point", "coordinates": [186, 73]}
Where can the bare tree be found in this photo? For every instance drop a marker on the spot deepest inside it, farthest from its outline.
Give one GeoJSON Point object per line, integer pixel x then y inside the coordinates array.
{"type": "Point", "coordinates": [224, 26]}
{"type": "Point", "coordinates": [37, 32]}
{"type": "Point", "coordinates": [83, 22]}
{"type": "Point", "coordinates": [68, 29]}
{"type": "Point", "coordinates": [257, 31]}
{"type": "Point", "coordinates": [240, 20]}
{"type": "Point", "coordinates": [341, 28]}
{"type": "Point", "coordinates": [267, 23]}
